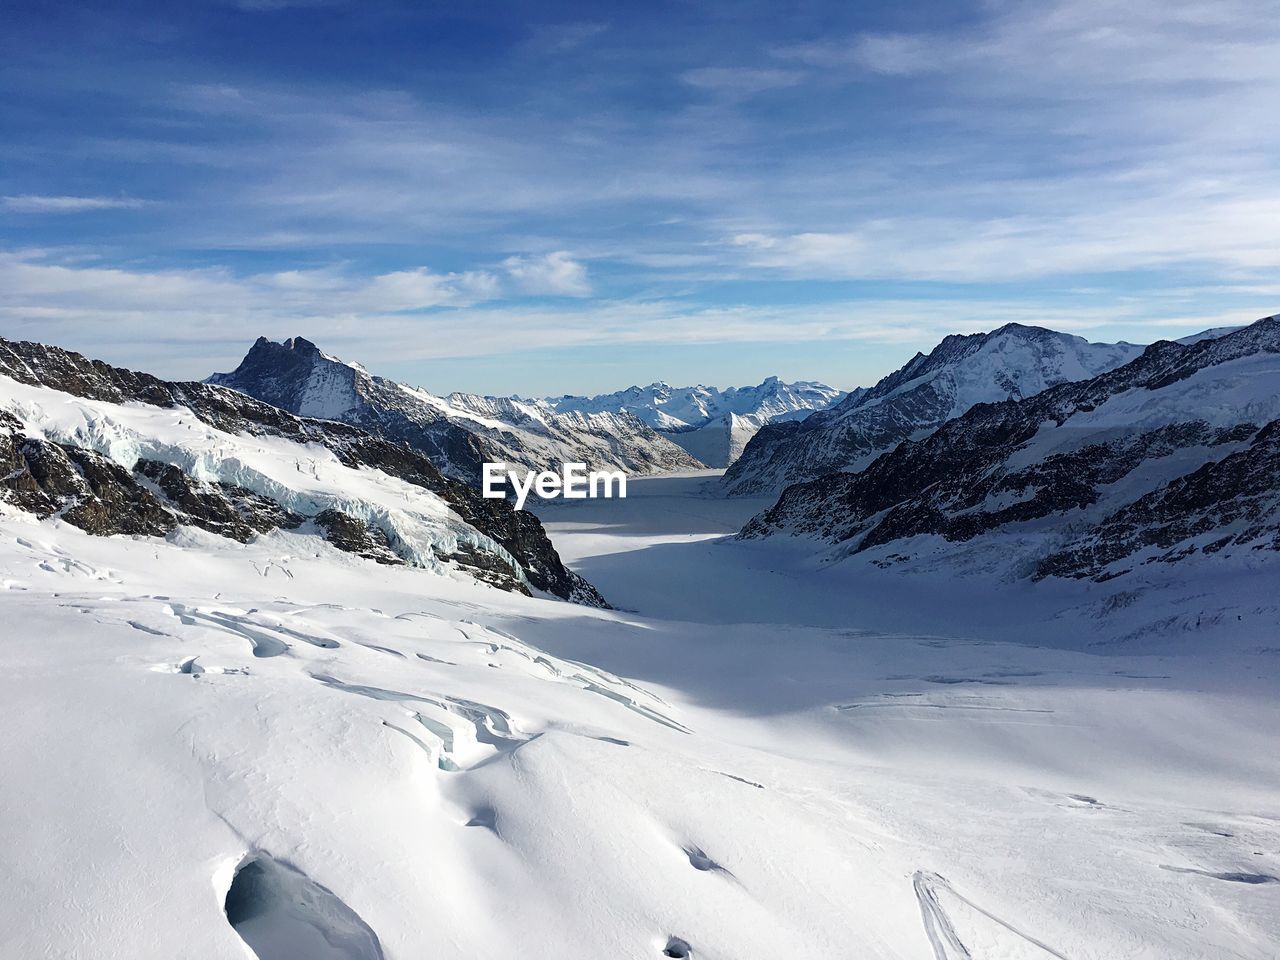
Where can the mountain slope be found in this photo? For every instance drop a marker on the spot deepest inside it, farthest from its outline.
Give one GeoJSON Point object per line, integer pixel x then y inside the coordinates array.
{"type": "Point", "coordinates": [1232, 502]}
{"type": "Point", "coordinates": [459, 433]}
{"type": "Point", "coordinates": [1170, 455]}
{"type": "Point", "coordinates": [118, 452]}
{"type": "Point", "coordinates": [1012, 362]}
{"type": "Point", "coordinates": [711, 424]}
{"type": "Point", "coordinates": [533, 434]}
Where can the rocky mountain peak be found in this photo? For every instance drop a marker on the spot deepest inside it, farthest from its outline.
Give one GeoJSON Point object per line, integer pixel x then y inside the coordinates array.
{"type": "Point", "coordinates": [1013, 361]}
{"type": "Point", "coordinates": [299, 345]}
{"type": "Point", "coordinates": [458, 432]}
{"type": "Point", "coordinates": [1170, 455]}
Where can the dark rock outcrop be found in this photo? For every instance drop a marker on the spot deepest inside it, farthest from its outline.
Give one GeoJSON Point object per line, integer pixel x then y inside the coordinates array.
{"type": "Point", "coordinates": [83, 488]}
{"type": "Point", "coordinates": [1228, 504]}
{"type": "Point", "coordinates": [221, 508]}
{"type": "Point", "coordinates": [355, 536]}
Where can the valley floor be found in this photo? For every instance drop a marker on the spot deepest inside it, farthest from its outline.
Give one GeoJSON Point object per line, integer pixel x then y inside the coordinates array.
{"type": "Point", "coordinates": [753, 757]}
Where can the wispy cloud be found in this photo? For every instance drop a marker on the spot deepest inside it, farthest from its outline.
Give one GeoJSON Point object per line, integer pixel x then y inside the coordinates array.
{"type": "Point", "coordinates": [38, 203]}
{"type": "Point", "coordinates": [556, 274]}
{"type": "Point", "coordinates": [563, 37]}
{"type": "Point", "coordinates": [209, 316]}
{"type": "Point", "coordinates": [660, 190]}
{"type": "Point", "coordinates": [1060, 137]}
{"type": "Point", "coordinates": [259, 6]}
{"type": "Point", "coordinates": [197, 304]}
{"type": "Point", "coordinates": [1224, 234]}
{"type": "Point", "coordinates": [740, 81]}
{"type": "Point", "coordinates": [891, 54]}
{"type": "Point", "coordinates": [386, 167]}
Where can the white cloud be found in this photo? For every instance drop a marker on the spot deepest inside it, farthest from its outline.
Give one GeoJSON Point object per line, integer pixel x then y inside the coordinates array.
{"type": "Point", "coordinates": [891, 54]}
{"type": "Point", "coordinates": [1050, 138]}
{"type": "Point", "coordinates": [1225, 235]}
{"type": "Point", "coordinates": [740, 81]}
{"type": "Point", "coordinates": [37, 203]}
{"type": "Point", "coordinates": [174, 310]}
{"type": "Point", "coordinates": [563, 37]}
{"type": "Point", "coordinates": [261, 6]}
{"type": "Point", "coordinates": [358, 167]}
{"type": "Point", "coordinates": [1046, 139]}
{"type": "Point", "coordinates": [554, 274]}
{"type": "Point", "coordinates": [187, 323]}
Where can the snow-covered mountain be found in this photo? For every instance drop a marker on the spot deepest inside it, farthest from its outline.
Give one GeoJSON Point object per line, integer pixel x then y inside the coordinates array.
{"type": "Point", "coordinates": [226, 733]}
{"type": "Point", "coordinates": [458, 433]}
{"type": "Point", "coordinates": [1172, 455]}
{"type": "Point", "coordinates": [1009, 363]}
{"type": "Point", "coordinates": [531, 432]}
{"type": "Point", "coordinates": [713, 425]}
{"type": "Point", "coordinates": [112, 451]}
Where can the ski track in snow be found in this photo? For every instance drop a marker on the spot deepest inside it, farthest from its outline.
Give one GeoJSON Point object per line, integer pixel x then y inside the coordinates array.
{"type": "Point", "coordinates": [939, 928]}
{"type": "Point", "coordinates": [383, 764]}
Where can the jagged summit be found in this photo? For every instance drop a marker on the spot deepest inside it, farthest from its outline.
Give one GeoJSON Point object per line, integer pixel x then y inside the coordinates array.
{"type": "Point", "coordinates": [458, 433]}
{"type": "Point", "coordinates": [1013, 361]}
{"type": "Point", "coordinates": [1171, 455]}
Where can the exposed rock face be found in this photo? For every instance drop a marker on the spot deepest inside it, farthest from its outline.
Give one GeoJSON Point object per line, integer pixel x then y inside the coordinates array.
{"type": "Point", "coordinates": [457, 433]}
{"type": "Point", "coordinates": [295, 376]}
{"type": "Point", "coordinates": [355, 536]}
{"type": "Point", "coordinates": [1232, 503]}
{"type": "Point", "coordinates": [1159, 452]}
{"type": "Point", "coordinates": [85, 489]}
{"type": "Point", "coordinates": [99, 495]}
{"type": "Point", "coordinates": [1013, 362]}
{"type": "Point", "coordinates": [224, 509]}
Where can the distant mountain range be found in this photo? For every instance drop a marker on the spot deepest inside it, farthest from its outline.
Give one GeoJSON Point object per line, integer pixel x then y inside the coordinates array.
{"type": "Point", "coordinates": [711, 424]}
{"type": "Point", "coordinates": [1171, 455]}
{"type": "Point", "coordinates": [1012, 362]}
{"type": "Point", "coordinates": [1020, 453]}
{"type": "Point", "coordinates": [654, 429]}
{"type": "Point", "coordinates": [457, 433]}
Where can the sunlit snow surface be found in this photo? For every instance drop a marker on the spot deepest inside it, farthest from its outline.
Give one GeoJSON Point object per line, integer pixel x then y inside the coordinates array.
{"type": "Point", "coordinates": [750, 764]}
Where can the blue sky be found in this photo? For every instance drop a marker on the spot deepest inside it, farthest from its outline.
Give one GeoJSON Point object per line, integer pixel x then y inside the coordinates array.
{"type": "Point", "coordinates": [548, 197]}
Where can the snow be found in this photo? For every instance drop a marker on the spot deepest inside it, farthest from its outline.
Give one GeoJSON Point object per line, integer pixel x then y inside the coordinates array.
{"type": "Point", "coordinates": [304, 379]}
{"type": "Point", "coordinates": [1242, 390]}
{"type": "Point", "coordinates": [1012, 362]}
{"type": "Point", "coordinates": [713, 425]}
{"type": "Point", "coordinates": [666, 407]}
{"type": "Point", "coordinates": [306, 478]}
{"type": "Point", "coordinates": [756, 759]}
{"type": "Point", "coordinates": [329, 393]}
{"type": "Point", "coordinates": [452, 411]}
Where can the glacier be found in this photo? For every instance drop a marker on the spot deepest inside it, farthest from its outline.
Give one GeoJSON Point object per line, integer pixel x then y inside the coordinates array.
{"type": "Point", "coordinates": [440, 768]}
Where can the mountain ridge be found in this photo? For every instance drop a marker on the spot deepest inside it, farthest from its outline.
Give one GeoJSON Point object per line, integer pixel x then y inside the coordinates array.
{"type": "Point", "coordinates": [1014, 360]}
{"type": "Point", "coordinates": [1100, 451]}
{"type": "Point", "coordinates": [711, 423]}
{"type": "Point", "coordinates": [460, 433]}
